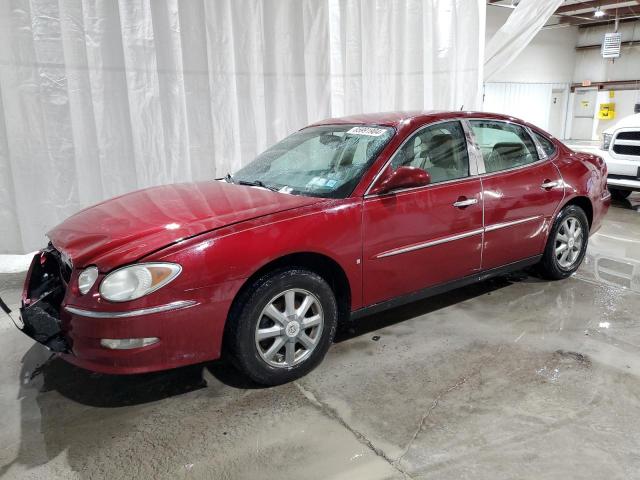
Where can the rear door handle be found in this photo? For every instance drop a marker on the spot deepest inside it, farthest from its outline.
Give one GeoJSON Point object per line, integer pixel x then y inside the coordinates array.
{"type": "Point", "coordinates": [549, 184]}
{"type": "Point", "coordinates": [462, 202]}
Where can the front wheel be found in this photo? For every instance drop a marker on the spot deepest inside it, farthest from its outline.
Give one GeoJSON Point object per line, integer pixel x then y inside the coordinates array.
{"type": "Point", "coordinates": [282, 326]}
{"type": "Point", "coordinates": [566, 245]}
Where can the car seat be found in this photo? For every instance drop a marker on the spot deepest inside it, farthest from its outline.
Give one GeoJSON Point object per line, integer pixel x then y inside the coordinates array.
{"type": "Point", "coordinates": [442, 156]}
{"type": "Point", "coordinates": [506, 155]}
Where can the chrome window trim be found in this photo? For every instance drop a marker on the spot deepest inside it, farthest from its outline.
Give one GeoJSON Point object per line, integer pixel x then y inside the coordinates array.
{"type": "Point", "coordinates": [472, 146]}
{"type": "Point", "coordinates": [131, 313]}
{"type": "Point", "coordinates": [550, 138]}
{"type": "Point", "coordinates": [473, 150]}
{"type": "Point", "coordinates": [542, 155]}
{"type": "Point", "coordinates": [431, 243]}
{"type": "Point", "coordinates": [473, 170]}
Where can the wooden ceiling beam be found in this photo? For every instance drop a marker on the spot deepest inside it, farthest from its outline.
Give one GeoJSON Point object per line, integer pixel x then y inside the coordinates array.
{"type": "Point", "coordinates": [596, 22]}
{"type": "Point", "coordinates": [592, 5]}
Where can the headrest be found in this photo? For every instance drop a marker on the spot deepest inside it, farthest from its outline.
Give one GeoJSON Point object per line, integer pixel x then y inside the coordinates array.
{"type": "Point", "coordinates": [440, 139]}
{"type": "Point", "coordinates": [509, 148]}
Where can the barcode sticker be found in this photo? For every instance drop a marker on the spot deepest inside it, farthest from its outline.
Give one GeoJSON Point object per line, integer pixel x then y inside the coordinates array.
{"type": "Point", "coordinates": [370, 131]}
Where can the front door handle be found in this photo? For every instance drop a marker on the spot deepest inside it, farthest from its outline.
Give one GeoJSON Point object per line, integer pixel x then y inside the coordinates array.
{"type": "Point", "coordinates": [465, 202]}
{"type": "Point", "coordinates": [547, 184]}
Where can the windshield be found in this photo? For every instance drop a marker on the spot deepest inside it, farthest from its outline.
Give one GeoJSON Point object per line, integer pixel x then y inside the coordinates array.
{"type": "Point", "coordinates": [324, 161]}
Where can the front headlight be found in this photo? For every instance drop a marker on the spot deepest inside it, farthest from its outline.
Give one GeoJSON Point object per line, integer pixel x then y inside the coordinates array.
{"type": "Point", "coordinates": [135, 281]}
{"type": "Point", "coordinates": [606, 141]}
{"type": "Point", "coordinates": [86, 279]}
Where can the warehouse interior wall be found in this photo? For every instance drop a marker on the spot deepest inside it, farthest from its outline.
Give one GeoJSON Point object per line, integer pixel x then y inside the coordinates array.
{"type": "Point", "coordinates": [520, 28]}
{"type": "Point", "coordinates": [535, 86]}
{"type": "Point", "coordinates": [590, 66]}
{"type": "Point", "coordinates": [101, 98]}
{"type": "Point", "coordinates": [549, 58]}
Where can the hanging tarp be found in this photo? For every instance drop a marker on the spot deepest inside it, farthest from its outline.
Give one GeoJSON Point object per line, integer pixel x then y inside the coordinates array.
{"type": "Point", "coordinates": [99, 98]}
{"type": "Point", "coordinates": [523, 24]}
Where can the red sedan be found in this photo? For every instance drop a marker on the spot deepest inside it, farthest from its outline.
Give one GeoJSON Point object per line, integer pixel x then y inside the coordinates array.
{"type": "Point", "coordinates": [343, 218]}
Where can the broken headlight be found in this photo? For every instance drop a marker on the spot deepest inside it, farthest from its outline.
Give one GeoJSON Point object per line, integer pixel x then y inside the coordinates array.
{"type": "Point", "coordinates": [135, 281]}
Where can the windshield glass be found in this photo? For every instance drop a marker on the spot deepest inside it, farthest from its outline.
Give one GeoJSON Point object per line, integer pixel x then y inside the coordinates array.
{"type": "Point", "coordinates": [324, 161]}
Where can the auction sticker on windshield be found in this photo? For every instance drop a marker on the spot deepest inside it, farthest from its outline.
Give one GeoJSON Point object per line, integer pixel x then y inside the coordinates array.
{"type": "Point", "coordinates": [370, 131]}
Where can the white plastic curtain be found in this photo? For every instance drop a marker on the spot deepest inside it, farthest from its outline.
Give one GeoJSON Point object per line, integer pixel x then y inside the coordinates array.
{"type": "Point", "coordinates": [523, 24]}
{"type": "Point", "coordinates": [529, 101]}
{"type": "Point", "coordinates": [101, 97]}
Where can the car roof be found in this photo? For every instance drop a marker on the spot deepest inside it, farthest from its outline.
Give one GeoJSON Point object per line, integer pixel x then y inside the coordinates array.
{"type": "Point", "coordinates": [400, 118]}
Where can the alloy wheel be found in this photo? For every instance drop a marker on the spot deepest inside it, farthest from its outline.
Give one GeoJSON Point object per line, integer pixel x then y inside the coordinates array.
{"type": "Point", "coordinates": [568, 244]}
{"type": "Point", "coordinates": [289, 328]}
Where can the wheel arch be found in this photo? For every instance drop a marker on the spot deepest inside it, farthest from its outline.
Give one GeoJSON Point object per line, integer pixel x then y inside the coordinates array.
{"type": "Point", "coordinates": [584, 203]}
{"type": "Point", "coordinates": [329, 269]}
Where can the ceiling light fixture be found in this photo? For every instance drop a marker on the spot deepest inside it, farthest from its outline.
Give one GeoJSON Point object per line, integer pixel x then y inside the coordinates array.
{"type": "Point", "coordinates": [598, 13]}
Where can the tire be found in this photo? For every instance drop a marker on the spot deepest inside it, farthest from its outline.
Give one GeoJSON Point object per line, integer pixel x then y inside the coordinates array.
{"type": "Point", "coordinates": [555, 266]}
{"type": "Point", "coordinates": [262, 360]}
{"type": "Point", "coordinates": [619, 194]}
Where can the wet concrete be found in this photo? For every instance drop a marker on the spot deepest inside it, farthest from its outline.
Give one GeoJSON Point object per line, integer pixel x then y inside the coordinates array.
{"type": "Point", "coordinates": [511, 378]}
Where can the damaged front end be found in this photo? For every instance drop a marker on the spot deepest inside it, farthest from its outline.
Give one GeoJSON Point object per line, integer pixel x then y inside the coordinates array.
{"type": "Point", "coordinates": [44, 291]}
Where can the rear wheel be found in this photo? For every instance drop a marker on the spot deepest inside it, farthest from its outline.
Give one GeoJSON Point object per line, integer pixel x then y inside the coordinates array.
{"type": "Point", "coordinates": [282, 326]}
{"type": "Point", "coordinates": [619, 194]}
{"type": "Point", "coordinates": [566, 245]}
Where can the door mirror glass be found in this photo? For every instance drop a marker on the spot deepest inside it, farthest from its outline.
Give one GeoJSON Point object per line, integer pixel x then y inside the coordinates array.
{"type": "Point", "coordinates": [400, 178]}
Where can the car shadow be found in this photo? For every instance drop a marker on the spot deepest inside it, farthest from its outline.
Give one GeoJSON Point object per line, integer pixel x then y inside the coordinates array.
{"type": "Point", "coordinates": [371, 323]}
{"type": "Point", "coordinates": [111, 391]}
{"type": "Point", "coordinates": [630, 203]}
{"type": "Point", "coordinates": [114, 391]}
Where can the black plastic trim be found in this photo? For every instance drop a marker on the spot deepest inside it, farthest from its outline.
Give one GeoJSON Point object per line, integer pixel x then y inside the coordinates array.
{"type": "Point", "coordinates": [445, 287]}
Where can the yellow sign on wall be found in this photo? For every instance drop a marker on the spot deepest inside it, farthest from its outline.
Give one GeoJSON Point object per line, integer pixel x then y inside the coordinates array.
{"type": "Point", "coordinates": [607, 111]}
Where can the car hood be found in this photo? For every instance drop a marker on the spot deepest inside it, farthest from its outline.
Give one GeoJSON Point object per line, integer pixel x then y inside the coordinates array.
{"type": "Point", "coordinates": [626, 122]}
{"type": "Point", "coordinates": [126, 228]}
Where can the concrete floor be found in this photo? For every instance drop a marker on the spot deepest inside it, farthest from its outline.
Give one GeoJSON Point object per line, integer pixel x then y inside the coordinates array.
{"type": "Point", "coordinates": [511, 378]}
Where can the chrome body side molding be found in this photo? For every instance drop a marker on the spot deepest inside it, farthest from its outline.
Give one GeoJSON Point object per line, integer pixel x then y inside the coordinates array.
{"type": "Point", "coordinates": [498, 226]}
{"type": "Point", "coordinates": [419, 246]}
{"type": "Point", "coordinates": [453, 238]}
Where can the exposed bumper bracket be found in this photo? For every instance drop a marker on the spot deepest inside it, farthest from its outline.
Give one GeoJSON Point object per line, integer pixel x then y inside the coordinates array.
{"type": "Point", "coordinates": [43, 328]}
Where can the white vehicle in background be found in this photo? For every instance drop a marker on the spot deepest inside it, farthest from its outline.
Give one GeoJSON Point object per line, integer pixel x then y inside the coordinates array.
{"type": "Point", "coordinates": [621, 151]}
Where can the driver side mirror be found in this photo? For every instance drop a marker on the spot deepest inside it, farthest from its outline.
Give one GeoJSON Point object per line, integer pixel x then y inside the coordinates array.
{"type": "Point", "coordinates": [402, 177]}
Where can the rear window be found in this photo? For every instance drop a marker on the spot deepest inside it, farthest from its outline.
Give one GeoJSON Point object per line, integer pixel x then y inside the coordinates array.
{"type": "Point", "coordinates": [546, 144]}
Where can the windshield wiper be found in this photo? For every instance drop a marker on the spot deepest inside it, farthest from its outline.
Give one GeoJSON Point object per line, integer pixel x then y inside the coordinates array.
{"type": "Point", "coordinates": [256, 183]}
{"type": "Point", "coordinates": [228, 178]}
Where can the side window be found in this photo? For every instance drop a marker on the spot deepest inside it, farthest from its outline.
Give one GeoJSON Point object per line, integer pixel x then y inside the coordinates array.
{"type": "Point", "coordinates": [503, 145]}
{"type": "Point", "coordinates": [440, 149]}
{"type": "Point", "coordinates": [546, 144]}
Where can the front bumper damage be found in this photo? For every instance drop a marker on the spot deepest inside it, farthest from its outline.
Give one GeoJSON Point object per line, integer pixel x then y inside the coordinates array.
{"type": "Point", "coordinates": [97, 335]}
{"type": "Point", "coordinates": [44, 290]}
{"type": "Point", "coordinates": [43, 327]}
